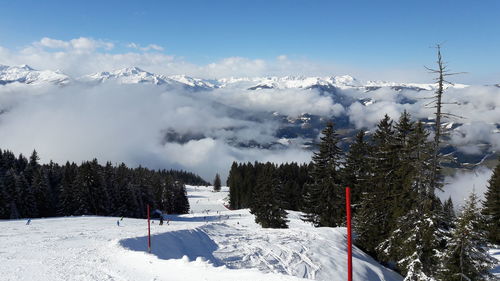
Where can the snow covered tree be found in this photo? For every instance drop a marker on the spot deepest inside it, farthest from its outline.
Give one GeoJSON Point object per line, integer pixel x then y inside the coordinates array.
{"type": "Point", "coordinates": [412, 245]}
{"type": "Point", "coordinates": [414, 241]}
{"type": "Point", "coordinates": [466, 258]}
{"type": "Point", "coordinates": [267, 205]}
{"type": "Point", "coordinates": [492, 206]}
{"type": "Point", "coordinates": [217, 183]}
{"type": "Point", "coordinates": [324, 204]}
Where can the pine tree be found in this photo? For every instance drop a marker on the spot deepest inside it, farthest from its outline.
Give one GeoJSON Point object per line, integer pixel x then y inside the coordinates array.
{"type": "Point", "coordinates": [12, 194]}
{"type": "Point", "coordinates": [465, 257]}
{"type": "Point", "coordinates": [449, 213]}
{"type": "Point", "coordinates": [492, 206]}
{"type": "Point", "coordinates": [324, 204]}
{"type": "Point", "coordinates": [68, 202]}
{"type": "Point", "coordinates": [217, 183]}
{"type": "Point", "coordinates": [372, 222]}
{"type": "Point", "coordinates": [233, 181]}
{"type": "Point", "coordinates": [415, 237]}
{"type": "Point", "coordinates": [4, 210]}
{"type": "Point", "coordinates": [27, 200]}
{"type": "Point", "coordinates": [411, 245]}
{"type": "Point", "coordinates": [181, 203]}
{"type": "Point", "coordinates": [357, 171]}
{"type": "Point", "coordinates": [29, 189]}
{"type": "Point", "coordinates": [42, 193]}
{"type": "Point", "coordinates": [267, 205]}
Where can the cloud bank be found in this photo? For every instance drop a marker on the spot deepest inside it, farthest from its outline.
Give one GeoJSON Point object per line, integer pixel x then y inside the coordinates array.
{"type": "Point", "coordinates": [130, 123]}
{"type": "Point", "coordinates": [460, 185]}
{"type": "Point", "coordinates": [84, 55]}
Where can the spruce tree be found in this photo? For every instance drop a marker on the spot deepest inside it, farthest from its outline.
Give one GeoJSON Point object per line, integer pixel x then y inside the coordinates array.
{"type": "Point", "coordinates": [4, 210]}
{"type": "Point", "coordinates": [373, 219]}
{"type": "Point", "coordinates": [42, 193]}
{"type": "Point", "coordinates": [449, 213]}
{"type": "Point", "coordinates": [12, 194]}
{"type": "Point", "coordinates": [415, 238]}
{"type": "Point", "coordinates": [181, 203]}
{"type": "Point", "coordinates": [492, 206]}
{"type": "Point", "coordinates": [27, 200]}
{"type": "Point", "coordinates": [233, 181]}
{"type": "Point", "coordinates": [267, 203]}
{"type": "Point", "coordinates": [357, 171]}
{"type": "Point", "coordinates": [466, 257]}
{"type": "Point", "coordinates": [217, 183]}
{"type": "Point", "coordinates": [324, 204]}
{"type": "Point", "coordinates": [68, 202]}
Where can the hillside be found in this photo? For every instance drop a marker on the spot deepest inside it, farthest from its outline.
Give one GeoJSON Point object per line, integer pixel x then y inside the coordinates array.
{"type": "Point", "coordinates": [218, 245]}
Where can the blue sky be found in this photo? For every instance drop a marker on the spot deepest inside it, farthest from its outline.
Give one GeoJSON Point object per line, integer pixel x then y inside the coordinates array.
{"type": "Point", "coordinates": [370, 35]}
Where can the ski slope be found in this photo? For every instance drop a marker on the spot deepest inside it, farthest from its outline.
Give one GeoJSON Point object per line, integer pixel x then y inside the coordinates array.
{"type": "Point", "coordinates": [211, 243]}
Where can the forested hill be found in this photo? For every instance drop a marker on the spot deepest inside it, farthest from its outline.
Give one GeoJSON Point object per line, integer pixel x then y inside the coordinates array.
{"type": "Point", "coordinates": [29, 189]}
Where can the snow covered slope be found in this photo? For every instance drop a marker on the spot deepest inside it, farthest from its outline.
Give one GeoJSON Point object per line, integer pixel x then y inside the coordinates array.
{"type": "Point", "coordinates": [212, 243]}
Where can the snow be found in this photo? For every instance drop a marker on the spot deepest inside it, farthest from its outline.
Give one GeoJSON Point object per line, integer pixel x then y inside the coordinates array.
{"type": "Point", "coordinates": [495, 252]}
{"type": "Point", "coordinates": [211, 243]}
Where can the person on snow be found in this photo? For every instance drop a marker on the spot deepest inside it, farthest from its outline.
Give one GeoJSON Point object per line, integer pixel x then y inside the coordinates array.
{"type": "Point", "coordinates": [161, 220]}
{"type": "Point", "coordinates": [28, 222]}
{"type": "Point", "coordinates": [118, 222]}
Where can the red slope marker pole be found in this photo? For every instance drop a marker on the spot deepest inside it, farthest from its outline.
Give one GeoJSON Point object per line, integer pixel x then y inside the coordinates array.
{"type": "Point", "coordinates": [149, 233]}
{"type": "Point", "coordinates": [349, 233]}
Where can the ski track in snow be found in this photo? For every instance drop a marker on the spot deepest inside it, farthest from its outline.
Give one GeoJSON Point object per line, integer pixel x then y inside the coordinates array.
{"type": "Point", "coordinates": [211, 243]}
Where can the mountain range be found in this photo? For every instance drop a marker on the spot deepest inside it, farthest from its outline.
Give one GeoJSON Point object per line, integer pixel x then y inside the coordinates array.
{"type": "Point", "coordinates": [345, 91]}
{"type": "Point", "coordinates": [135, 75]}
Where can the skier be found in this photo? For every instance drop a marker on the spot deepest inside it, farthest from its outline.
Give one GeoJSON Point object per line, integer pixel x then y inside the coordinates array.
{"type": "Point", "coordinates": [118, 222]}
{"type": "Point", "coordinates": [161, 220]}
{"type": "Point", "coordinates": [28, 222]}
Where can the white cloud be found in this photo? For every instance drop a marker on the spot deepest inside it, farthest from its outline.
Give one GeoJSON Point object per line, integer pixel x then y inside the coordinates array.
{"type": "Point", "coordinates": [77, 44]}
{"type": "Point", "coordinates": [147, 48]}
{"type": "Point", "coordinates": [128, 123]}
{"type": "Point", "coordinates": [80, 56]}
{"type": "Point", "coordinates": [291, 102]}
{"type": "Point", "coordinates": [460, 185]}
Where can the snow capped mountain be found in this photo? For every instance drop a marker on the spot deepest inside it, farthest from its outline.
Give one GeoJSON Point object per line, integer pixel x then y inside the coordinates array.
{"type": "Point", "coordinates": [27, 75]}
{"type": "Point", "coordinates": [195, 82]}
{"type": "Point", "coordinates": [293, 82]}
{"type": "Point", "coordinates": [129, 75]}
{"type": "Point", "coordinates": [370, 85]}
{"type": "Point", "coordinates": [135, 75]}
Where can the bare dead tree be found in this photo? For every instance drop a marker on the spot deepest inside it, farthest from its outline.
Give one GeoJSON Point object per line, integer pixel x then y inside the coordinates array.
{"type": "Point", "coordinates": [437, 103]}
